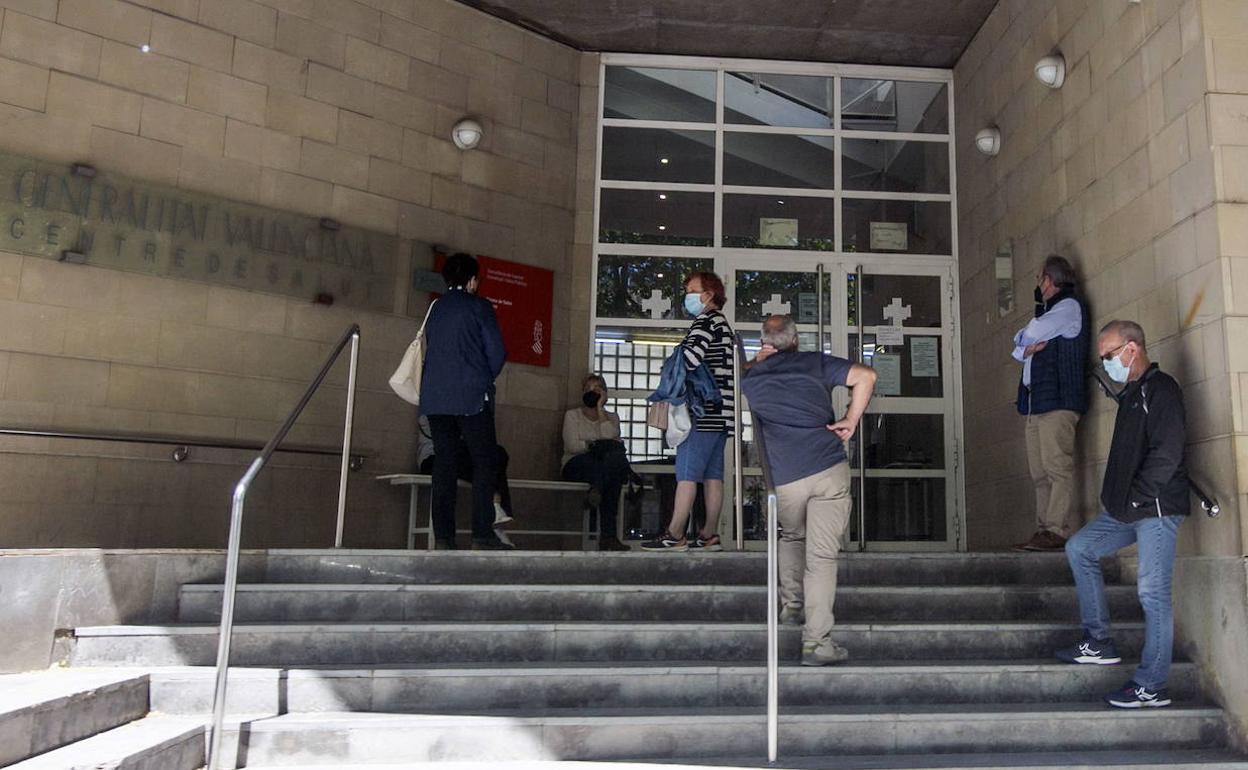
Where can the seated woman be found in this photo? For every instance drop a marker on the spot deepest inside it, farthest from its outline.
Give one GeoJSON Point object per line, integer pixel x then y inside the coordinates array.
{"type": "Point", "coordinates": [594, 454]}
{"type": "Point", "coordinates": [463, 470]}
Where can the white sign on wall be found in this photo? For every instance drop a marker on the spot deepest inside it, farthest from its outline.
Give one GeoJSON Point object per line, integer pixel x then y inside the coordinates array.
{"type": "Point", "coordinates": [889, 236]}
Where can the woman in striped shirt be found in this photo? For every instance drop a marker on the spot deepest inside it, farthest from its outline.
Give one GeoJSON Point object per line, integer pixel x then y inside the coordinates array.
{"type": "Point", "coordinates": [700, 457]}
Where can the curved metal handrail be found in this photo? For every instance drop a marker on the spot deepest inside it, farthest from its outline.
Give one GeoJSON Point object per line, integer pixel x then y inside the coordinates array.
{"type": "Point", "coordinates": [352, 335]}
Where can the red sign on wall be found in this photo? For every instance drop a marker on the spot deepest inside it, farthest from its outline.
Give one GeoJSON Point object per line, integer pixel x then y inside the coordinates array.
{"type": "Point", "coordinates": [523, 298]}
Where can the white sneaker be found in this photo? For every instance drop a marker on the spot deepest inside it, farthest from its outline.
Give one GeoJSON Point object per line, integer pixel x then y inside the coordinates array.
{"type": "Point", "coordinates": [502, 535]}
{"type": "Point", "coordinates": [500, 516]}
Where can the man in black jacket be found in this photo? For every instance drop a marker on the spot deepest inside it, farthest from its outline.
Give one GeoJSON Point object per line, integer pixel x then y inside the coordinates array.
{"type": "Point", "coordinates": [1144, 500]}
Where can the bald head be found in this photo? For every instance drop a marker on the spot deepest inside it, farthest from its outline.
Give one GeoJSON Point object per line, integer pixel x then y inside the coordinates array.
{"type": "Point", "coordinates": [780, 332]}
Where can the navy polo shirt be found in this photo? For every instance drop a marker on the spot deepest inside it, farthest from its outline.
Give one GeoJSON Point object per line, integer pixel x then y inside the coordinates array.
{"type": "Point", "coordinates": [790, 394]}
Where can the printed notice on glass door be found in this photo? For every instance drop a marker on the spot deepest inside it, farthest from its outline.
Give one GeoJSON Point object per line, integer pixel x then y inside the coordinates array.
{"type": "Point", "coordinates": [924, 357]}
{"type": "Point", "coordinates": [887, 367]}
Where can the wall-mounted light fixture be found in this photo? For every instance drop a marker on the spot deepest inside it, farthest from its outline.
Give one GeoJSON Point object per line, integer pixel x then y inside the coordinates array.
{"type": "Point", "coordinates": [988, 141]}
{"type": "Point", "coordinates": [467, 134]}
{"type": "Point", "coordinates": [145, 48]}
{"type": "Point", "coordinates": [1051, 70]}
{"type": "Point", "coordinates": [82, 169]}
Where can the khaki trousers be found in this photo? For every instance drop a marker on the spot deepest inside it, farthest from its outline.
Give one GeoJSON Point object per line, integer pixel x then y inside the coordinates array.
{"type": "Point", "coordinates": [814, 513]}
{"type": "Point", "coordinates": [1051, 459]}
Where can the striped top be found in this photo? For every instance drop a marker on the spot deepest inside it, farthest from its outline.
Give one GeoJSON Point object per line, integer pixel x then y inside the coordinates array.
{"type": "Point", "coordinates": [710, 341]}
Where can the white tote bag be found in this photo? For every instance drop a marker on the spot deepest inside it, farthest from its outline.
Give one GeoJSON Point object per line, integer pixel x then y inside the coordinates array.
{"type": "Point", "coordinates": [406, 379]}
{"type": "Point", "coordinates": [679, 425]}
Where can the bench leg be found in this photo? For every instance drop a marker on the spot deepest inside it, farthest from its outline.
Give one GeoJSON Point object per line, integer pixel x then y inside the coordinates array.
{"type": "Point", "coordinates": [411, 518]}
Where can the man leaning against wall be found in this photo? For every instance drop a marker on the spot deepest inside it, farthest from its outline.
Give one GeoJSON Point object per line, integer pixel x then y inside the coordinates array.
{"type": "Point", "coordinates": [1052, 396]}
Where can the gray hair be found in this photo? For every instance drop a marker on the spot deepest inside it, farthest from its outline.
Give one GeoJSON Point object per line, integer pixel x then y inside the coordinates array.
{"type": "Point", "coordinates": [1129, 331]}
{"type": "Point", "coordinates": [1060, 271]}
{"type": "Point", "coordinates": [780, 332]}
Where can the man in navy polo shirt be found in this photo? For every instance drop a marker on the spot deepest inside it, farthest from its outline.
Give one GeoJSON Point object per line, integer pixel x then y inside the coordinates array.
{"type": "Point", "coordinates": [789, 393]}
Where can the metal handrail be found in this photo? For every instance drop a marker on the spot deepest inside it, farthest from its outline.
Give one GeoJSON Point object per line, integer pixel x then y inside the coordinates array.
{"type": "Point", "coordinates": [146, 438]}
{"type": "Point", "coordinates": [773, 583]}
{"type": "Point", "coordinates": [861, 438]}
{"type": "Point", "coordinates": [352, 336]}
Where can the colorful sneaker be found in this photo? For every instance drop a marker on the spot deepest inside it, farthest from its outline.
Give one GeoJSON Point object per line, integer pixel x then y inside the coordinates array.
{"type": "Point", "coordinates": [1101, 652]}
{"type": "Point", "coordinates": [500, 516]}
{"type": "Point", "coordinates": [706, 543]}
{"type": "Point", "coordinates": [1135, 696]}
{"type": "Point", "coordinates": [823, 653]}
{"type": "Point", "coordinates": [666, 542]}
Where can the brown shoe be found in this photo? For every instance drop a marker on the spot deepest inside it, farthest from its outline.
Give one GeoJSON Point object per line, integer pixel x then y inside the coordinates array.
{"type": "Point", "coordinates": [1043, 541]}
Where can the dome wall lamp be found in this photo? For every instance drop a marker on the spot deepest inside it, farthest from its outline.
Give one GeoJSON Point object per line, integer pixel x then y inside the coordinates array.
{"type": "Point", "coordinates": [1051, 70]}
{"type": "Point", "coordinates": [988, 141]}
{"type": "Point", "coordinates": [467, 134]}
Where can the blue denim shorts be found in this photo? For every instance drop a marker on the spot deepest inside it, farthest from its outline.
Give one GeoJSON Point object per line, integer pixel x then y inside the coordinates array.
{"type": "Point", "coordinates": [700, 457]}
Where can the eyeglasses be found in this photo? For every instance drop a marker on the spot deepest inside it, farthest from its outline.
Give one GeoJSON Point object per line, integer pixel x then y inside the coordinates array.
{"type": "Point", "coordinates": [1114, 352]}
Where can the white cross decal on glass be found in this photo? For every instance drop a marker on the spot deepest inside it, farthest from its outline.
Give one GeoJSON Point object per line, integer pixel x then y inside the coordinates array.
{"type": "Point", "coordinates": [896, 312]}
{"type": "Point", "coordinates": [776, 307]}
{"type": "Point", "coordinates": [657, 304]}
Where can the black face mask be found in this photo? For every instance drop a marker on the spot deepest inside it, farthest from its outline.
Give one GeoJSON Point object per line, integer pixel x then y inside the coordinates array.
{"type": "Point", "coordinates": [590, 399]}
{"type": "Point", "coordinates": [1039, 296]}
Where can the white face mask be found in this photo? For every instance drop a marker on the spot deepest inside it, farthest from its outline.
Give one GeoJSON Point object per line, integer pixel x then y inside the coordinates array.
{"type": "Point", "coordinates": [694, 304]}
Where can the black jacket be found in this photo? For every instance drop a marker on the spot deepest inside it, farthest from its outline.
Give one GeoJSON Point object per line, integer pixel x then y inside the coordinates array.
{"type": "Point", "coordinates": [1146, 474]}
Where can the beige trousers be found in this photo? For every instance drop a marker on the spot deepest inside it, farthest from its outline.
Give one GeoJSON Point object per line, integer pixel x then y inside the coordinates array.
{"type": "Point", "coordinates": [814, 513]}
{"type": "Point", "coordinates": [1051, 459]}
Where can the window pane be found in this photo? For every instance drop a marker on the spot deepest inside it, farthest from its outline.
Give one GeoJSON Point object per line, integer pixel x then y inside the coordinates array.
{"type": "Point", "coordinates": [917, 365]}
{"type": "Point", "coordinates": [778, 100]}
{"type": "Point", "coordinates": [921, 293]}
{"type": "Point", "coordinates": [902, 509]}
{"type": "Point", "coordinates": [646, 93]}
{"type": "Point", "coordinates": [776, 160]}
{"type": "Point", "coordinates": [642, 216]}
{"type": "Point", "coordinates": [903, 441]}
{"type": "Point", "coordinates": [894, 105]}
{"type": "Point", "coordinates": [773, 222]}
{"type": "Point", "coordinates": [890, 166]}
{"type": "Point", "coordinates": [658, 155]}
{"type": "Point", "coordinates": [627, 288]}
{"type": "Point", "coordinates": [759, 293]}
{"type": "Point", "coordinates": [901, 227]}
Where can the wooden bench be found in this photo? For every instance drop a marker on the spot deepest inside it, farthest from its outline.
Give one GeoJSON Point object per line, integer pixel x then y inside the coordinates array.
{"type": "Point", "coordinates": [589, 539]}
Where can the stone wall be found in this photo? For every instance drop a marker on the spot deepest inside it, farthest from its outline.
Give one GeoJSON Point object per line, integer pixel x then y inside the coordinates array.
{"type": "Point", "coordinates": [1134, 170]}
{"type": "Point", "coordinates": [319, 107]}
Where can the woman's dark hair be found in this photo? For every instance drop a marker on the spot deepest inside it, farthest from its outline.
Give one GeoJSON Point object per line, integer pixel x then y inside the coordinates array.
{"type": "Point", "coordinates": [598, 378]}
{"type": "Point", "coordinates": [712, 283]}
{"type": "Point", "coordinates": [459, 269]}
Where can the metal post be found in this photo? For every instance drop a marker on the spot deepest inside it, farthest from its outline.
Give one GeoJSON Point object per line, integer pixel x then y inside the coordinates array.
{"type": "Point", "coordinates": [227, 612]}
{"type": "Point", "coordinates": [346, 440]}
{"type": "Point", "coordinates": [773, 630]}
{"type": "Point", "coordinates": [738, 472]}
{"type": "Point", "coordinates": [862, 446]}
{"type": "Point", "coordinates": [819, 305]}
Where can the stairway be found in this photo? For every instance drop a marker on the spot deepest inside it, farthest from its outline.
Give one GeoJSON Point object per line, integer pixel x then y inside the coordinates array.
{"type": "Point", "coordinates": [380, 658]}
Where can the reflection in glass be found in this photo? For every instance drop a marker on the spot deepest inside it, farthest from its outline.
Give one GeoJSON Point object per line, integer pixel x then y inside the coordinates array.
{"type": "Point", "coordinates": [654, 217]}
{"type": "Point", "coordinates": [778, 100]}
{"type": "Point", "coordinates": [894, 105]}
{"type": "Point", "coordinates": [915, 381]}
{"type": "Point", "coordinates": [651, 93]}
{"type": "Point", "coordinates": [920, 292]}
{"type": "Point", "coordinates": [890, 166]}
{"type": "Point", "coordinates": [775, 222]}
{"type": "Point", "coordinates": [658, 155]}
{"type": "Point", "coordinates": [777, 160]}
{"type": "Point", "coordinates": [756, 293]}
{"type": "Point", "coordinates": [927, 228]}
{"type": "Point", "coordinates": [902, 509]}
{"type": "Point", "coordinates": [903, 441]}
{"type": "Point", "coordinates": [627, 286]}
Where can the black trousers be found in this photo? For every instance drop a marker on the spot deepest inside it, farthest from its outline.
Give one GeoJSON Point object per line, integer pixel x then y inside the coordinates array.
{"type": "Point", "coordinates": [463, 471]}
{"type": "Point", "coordinates": [607, 473]}
{"type": "Point", "coordinates": [477, 434]}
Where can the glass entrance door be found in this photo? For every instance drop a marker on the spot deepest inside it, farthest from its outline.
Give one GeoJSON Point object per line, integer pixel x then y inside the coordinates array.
{"type": "Point", "coordinates": [898, 319]}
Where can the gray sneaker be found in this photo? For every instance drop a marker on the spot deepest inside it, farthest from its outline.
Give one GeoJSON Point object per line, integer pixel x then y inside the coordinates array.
{"type": "Point", "coordinates": [792, 616]}
{"type": "Point", "coordinates": [823, 653]}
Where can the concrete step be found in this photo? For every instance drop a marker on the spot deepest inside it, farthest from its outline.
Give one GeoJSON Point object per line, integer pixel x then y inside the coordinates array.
{"type": "Point", "coordinates": [340, 738]}
{"type": "Point", "coordinates": [152, 743]}
{"type": "Point", "coordinates": [693, 685]}
{"type": "Point", "coordinates": [641, 568]}
{"type": "Point", "coordinates": [1195, 759]}
{"type": "Point", "coordinates": [346, 644]}
{"type": "Point", "coordinates": [394, 602]}
{"type": "Point", "coordinates": [45, 710]}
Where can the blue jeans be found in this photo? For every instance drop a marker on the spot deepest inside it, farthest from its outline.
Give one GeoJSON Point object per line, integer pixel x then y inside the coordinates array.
{"type": "Point", "coordinates": [1104, 536]}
